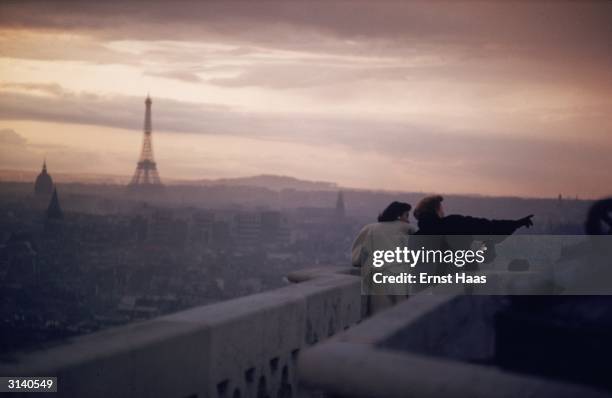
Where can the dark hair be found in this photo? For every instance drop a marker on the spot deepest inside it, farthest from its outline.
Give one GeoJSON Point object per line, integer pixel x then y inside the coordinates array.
{"type": "Point", "coordinates": [428, 207]}
{"type": "Point", "coordinates": [393, 211]}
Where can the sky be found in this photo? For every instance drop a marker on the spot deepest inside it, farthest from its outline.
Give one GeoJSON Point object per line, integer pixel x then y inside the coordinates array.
{"type": "Point", "coordinates": [489, 98]}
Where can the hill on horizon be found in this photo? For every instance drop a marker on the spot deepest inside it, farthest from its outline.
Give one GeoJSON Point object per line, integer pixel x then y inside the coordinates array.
{"type": "Point", "coordinates": [269, 181]}
{"type": "Point", "coordinates": [275, 183]}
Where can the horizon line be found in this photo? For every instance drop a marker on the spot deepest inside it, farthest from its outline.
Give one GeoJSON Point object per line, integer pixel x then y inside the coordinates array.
{"type": "Point", "coordinates": [338, 187]}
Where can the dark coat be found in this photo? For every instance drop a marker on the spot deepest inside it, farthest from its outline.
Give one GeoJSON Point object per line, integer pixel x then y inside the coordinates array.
{"type": "Point", "coordinates": [464, 225]}
{"type": "Point", "coordinates": [434, 234]}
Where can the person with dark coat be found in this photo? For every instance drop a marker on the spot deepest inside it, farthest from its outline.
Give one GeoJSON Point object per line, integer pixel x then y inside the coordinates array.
{"type": "Point", "coordinates": [432, 221]}
{"type": "Point", "coordinates": [435, 228]}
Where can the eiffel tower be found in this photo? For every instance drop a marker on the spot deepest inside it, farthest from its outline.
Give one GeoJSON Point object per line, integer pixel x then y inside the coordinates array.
{"type": "Point", "coordinates": [146, 179]}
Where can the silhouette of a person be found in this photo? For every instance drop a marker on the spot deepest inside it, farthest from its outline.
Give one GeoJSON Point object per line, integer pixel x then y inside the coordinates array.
{"type": "Point", "coordinates": [432, 221]}
{"type": "Point", "coordinates": [435, 228]}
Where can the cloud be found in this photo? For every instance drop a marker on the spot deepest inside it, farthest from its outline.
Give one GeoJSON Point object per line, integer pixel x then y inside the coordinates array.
{"type": "Point", "coordinates": [17, 153]}
{"type": "Point", "coordinates": [281, 45]}
{"type": "Point", "coordinates": [485, 28]}
{"type": "Point", "coordinates": [110, 111]}
{"type": "Point", "coordinates": [51, 46]}
{"type": "Point", "coordinates": [307, 75]}
{"type": "Point", "coordinates": [10, 137]}
{"type": "Point", "coordinates": [486, 155]}
{"type": "Point", "coordinates": [182, 75]}
{"type": "Point", "coordinates": [491, 91]}
{"type": "Point", "coordinates": [53, 89]}
{"type": "Point", "coordinates": [299, 45]}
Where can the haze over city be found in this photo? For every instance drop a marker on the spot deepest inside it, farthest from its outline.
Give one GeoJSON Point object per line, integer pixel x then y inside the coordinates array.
{"type": "Point", "coordinates": [495, 99]}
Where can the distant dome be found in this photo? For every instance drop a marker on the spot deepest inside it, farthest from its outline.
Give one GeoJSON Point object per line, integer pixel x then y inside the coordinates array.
{"type": "Point", "coordinates": [44, 184]}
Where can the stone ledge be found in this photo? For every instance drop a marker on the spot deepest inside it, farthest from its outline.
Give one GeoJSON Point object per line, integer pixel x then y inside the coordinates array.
{"type": "Point", "coordinates": [237, 346]}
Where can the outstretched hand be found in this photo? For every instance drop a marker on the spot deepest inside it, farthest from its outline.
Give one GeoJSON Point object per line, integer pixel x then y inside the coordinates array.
{"type": "Point", "coordinates": [526, 221]}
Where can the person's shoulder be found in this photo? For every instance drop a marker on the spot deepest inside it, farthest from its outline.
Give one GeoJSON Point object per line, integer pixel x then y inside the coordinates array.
{"type": "Point", "coordinates": [406, 227]}
{"type": "Point", "coordinates": [456, 223]}
{"type": "Point", "coordinates": [399, 226]}
{"type": "Point", "coordinates": [455, 217]}
{"type": "Point", "coordinates": [370, 226]}
{"type": "Point", "coordinates": [459, 217]}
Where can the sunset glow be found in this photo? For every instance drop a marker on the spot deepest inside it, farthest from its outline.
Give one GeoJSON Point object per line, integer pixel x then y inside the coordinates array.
{"type": "Point", "coordinates": [499, 99]}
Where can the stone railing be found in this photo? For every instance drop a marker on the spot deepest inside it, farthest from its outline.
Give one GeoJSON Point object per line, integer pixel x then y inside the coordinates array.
{"type": "Point", "coordinates": [246, 347]}
{"type": "Point", "coordinates": [435, 344]}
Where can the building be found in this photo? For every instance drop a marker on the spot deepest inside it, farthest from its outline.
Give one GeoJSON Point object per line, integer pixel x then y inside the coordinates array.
{"type": "Point", "coordinates": [201, 227]}
{"type": "Point", "coordinates": [54, 211]}
{"type": "Point", "coordinates": [43, 186]}
{"type": "Point", "coordinates": [274, 228]}
{"type": "Point", "coordinates": [340, 208]}
{"type": "Point", "coordinates": [247, 229]}
{"type": "Point", "coordinates": [146, 178]}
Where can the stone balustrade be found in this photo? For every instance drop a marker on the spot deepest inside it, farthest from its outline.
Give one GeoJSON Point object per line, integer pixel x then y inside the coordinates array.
{"type": "Point", "coordinates": [246, 347]}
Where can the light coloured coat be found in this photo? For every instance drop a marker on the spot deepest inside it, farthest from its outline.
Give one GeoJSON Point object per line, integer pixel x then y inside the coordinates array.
{"type": "Point", "coordinates": [379, 236]}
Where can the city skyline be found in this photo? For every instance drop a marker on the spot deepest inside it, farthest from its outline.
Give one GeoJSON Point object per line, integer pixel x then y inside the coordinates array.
{"type": "Point", "coordinates": [454, 98]}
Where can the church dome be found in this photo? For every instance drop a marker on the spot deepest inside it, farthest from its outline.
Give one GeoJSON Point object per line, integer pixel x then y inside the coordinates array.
{"type": "Point", "coordinates": [44, 183]}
